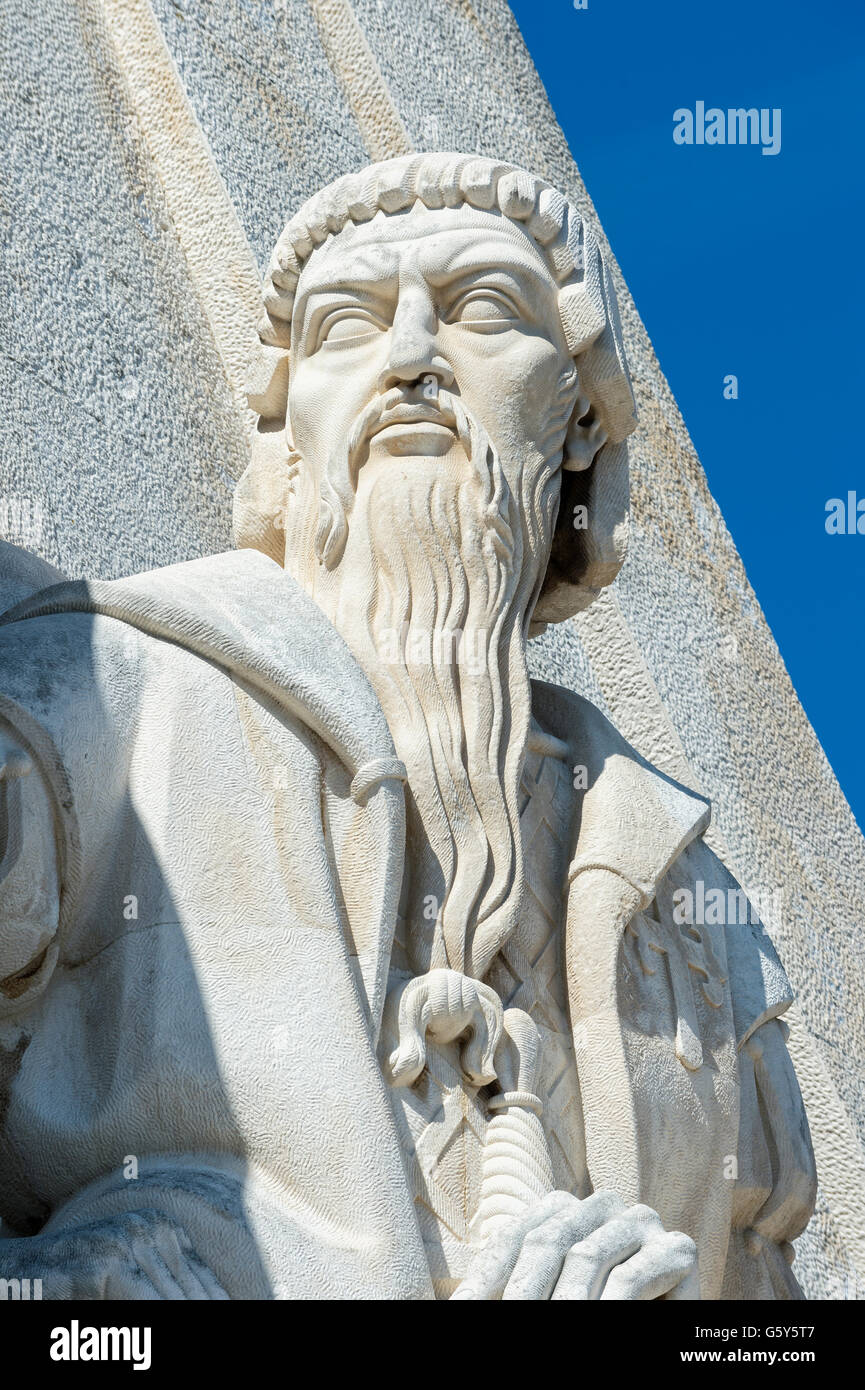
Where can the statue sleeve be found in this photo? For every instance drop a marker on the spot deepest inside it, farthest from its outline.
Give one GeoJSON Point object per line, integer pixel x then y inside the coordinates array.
{"type": "Point", "coordinates": [29, 878]}
{"type": "Point", "coordinates": [776, 1181]}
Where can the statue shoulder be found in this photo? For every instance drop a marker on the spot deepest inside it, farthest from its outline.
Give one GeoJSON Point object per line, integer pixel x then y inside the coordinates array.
{"type": "Point", "coordinates": [241, 614]}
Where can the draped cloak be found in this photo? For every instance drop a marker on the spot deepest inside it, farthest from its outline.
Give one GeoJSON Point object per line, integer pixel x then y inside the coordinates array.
{"type": "Point", "coordinates": [192, 971]}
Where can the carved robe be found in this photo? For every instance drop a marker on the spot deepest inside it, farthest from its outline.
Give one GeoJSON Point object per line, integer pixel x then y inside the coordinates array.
{"type": "Point", "coordinates": [203, 841]}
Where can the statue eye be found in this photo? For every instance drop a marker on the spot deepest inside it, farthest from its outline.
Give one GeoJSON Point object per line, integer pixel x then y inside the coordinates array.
{"type": "Point", "coordinates": [484, 309]}
{"type": "Point", "coordinates": [348, 326]}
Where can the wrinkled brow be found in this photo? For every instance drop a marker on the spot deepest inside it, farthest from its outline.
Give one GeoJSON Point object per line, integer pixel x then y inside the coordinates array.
{"type": "Point", "coordinates": [348, 269]}
{"type": "Point", "coordinates": [481, 259]}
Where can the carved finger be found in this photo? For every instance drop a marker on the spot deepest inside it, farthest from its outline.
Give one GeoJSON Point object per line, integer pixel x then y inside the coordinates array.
{"type": "Point", "coordinates": [645, 1220]}
{"type": "Point", "coordinates": [175, 1249]}
{"type": "Point", "coordinates": [212, 1289]}
{"type": "Point", "coordinates": [154, 1247]}
{"type": "Point", "coordinates": [494, 1262]}
{"type": "Point", "coordinates": [588, 1264]}
{"type": "Point", "coordinates": [153, 1265]}
{"type": "Point", "coordinates": [657, 1270]}
{"type": "Point", "coordinates": [147, 1282]}
{"type": "Point", "coordinates": [199, 1283]}
{"type": "Point", "coordinates": [545, 1248]}
{"type": "Point", "coordinates": [161, 1250]}
{"type": "Point", "coordinates": [550, 1230]}
{"type": "Point", "coordinates": [540, 1261]}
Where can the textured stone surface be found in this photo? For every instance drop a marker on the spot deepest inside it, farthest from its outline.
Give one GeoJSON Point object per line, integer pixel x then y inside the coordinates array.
{"type": "Point", "coordinates": [116, 400]}
{"type": "Point", "coordinates": [122, 438]}
{"type": "Point", "coordinates": [273, 113]}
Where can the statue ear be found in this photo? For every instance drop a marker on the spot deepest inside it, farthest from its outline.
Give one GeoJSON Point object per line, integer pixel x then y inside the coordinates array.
{"type": "Point", "coordinates": [589, 315]}
{"type": "Point", "coordinates": [591, 536]}
{"type": "Point", "coordinates": [585, 438]}
{"type": "Point", "coordinates": [266, 386]}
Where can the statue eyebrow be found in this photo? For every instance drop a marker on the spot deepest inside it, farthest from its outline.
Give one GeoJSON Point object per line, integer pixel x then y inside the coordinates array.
{"type": "Point", "coordinates": [461, 280]}
{"type": "Point", "coordinates": [348, 289]}
{"type": "Point", "coordinates": [364, 263]}
{"type": "Point", "coordinates": [360, 279]}
{"type": "Point", "coordinates": [466, 264]}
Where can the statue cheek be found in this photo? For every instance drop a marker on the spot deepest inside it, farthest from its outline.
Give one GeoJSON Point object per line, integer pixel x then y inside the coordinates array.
{"type": "Point", "coordinates": [534, 398]}
{"type": "Point", "coordinates": [322, 411]}
{"type": "Point", "coordinates": [545, 363]}
{"type": "Point", "coordinates": [508, 367]}
{"type": "Point", "coordinates": [531, 364]}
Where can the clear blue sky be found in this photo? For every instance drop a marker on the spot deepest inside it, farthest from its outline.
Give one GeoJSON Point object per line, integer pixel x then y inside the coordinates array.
{"type": "Point", "coordinates": [749, 264]}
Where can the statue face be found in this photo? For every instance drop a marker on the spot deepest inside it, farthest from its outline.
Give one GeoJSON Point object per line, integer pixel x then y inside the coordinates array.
{"type": "Point", "coordinates": [456, 298]}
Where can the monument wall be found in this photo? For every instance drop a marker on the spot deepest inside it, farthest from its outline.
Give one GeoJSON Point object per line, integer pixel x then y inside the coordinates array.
{"type": "Point", "coordinates": [155, 149]}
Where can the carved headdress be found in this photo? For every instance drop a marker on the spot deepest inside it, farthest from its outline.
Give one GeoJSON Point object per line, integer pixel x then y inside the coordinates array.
{"type": "Point", "coordinates": [583, 560]}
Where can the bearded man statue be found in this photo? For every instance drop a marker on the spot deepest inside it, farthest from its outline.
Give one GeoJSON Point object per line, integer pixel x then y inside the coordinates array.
{"type": "Point", "coordinates": [338, 958]}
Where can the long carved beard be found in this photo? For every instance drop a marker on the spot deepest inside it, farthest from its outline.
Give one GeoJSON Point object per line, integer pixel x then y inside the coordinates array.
{"type": "Point", "coordinates": [454, 572]}
{"type": "Point", "coordinates": [454, 687]}
{"type": "Point", "coordinates": [441, 577]}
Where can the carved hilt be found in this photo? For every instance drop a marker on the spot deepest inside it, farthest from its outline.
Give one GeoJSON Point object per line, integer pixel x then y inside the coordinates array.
{"type": "Point", "coordinates": [516, 1167]}
{"type": "Point", "coordinates": [503, 1046]}
{"type": "Point", "coordinates": [443, 1005]}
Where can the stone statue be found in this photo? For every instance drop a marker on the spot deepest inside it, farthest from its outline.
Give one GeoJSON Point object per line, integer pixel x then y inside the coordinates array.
{"type": "Point", "coordinates": [337, 957]}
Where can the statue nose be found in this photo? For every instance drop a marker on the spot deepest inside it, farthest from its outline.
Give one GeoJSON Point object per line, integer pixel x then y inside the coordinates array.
{"type": "Point", "coordinates": [414, 350]}
{"type": "Point", "coordinates": [413, 363]}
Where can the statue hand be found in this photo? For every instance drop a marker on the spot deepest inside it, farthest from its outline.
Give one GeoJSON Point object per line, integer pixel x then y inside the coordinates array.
{"type": "Point", "coordinates": [598, 1248]}
{"type": "Point", "coordinates": [137, 1255]}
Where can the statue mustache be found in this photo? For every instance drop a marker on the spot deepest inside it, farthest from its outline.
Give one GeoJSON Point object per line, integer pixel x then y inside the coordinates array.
{"type": "Point", "coordinates": [399, 405]}
{"type": "Point", "coordinates": [426, 401]}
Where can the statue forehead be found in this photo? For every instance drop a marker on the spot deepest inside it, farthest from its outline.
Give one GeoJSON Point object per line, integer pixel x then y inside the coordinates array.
{"type": "Point", "coordinates": [430, 237]}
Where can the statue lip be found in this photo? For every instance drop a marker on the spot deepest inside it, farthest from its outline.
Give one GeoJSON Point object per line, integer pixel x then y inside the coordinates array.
{"type": "Point", "coordinates": [414, 413]}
